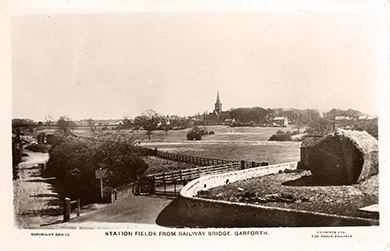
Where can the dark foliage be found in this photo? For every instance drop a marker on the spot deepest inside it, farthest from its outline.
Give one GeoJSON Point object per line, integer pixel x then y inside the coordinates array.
{"type": "Point", "coordinates": [16, 157]}
{"type": "Point", "coordinates": [320, 126]}
{"type": "Point", "coordinates": [250, 116]}
{"type": "Point", "coordinates": [74, 161]}
{"type": "Point", "coordinates": [196, 133]}
{"type": "Point", "coordinates": [281, 136]}
{"type": "Point", "coordinates": [42, 148]}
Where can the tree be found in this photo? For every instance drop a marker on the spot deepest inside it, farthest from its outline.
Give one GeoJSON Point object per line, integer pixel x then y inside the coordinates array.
{"type": "Point", "coordinates": [74, 162]}
{"type": "Point", "coordinates": [91, 124]}
{"type": "Point", "coordinates": [194, 133]}
{"type": "Point", "coordinates": [127, 123]}
{"type": "Point", "coordinates": [64, 124]}
{"type": "Point", "coordinates": [339, 112]}
{"type": "Point", "coordinates": [320, 126]}
{"type": "Point", "coordinates": [49, 120]}
{"type": "Point", "coordinates": [149, 120]}
{"type": "Point", "coordinates": [166, 124]}
{"type": "Point", "coordinates": [245, 115]}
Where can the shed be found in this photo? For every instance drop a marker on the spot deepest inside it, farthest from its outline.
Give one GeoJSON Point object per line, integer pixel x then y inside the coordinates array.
{"type": "Point", "coordinates": [307, 143]}
{"type": "Point", "coordinates": [41, 138]}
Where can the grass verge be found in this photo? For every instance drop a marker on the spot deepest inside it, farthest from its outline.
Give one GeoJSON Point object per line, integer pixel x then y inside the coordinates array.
{"type": "Point", "coordinates": [297, 190]}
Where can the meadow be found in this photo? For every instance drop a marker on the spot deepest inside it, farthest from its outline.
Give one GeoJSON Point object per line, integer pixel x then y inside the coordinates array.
{"type": "Point", "coordinates": [230, 143]}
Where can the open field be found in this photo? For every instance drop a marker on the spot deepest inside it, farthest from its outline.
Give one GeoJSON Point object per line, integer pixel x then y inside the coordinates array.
{"type": "Point", "coordinates": [242, 143]}
{"type": "Point", "coordinates": [231, 143]}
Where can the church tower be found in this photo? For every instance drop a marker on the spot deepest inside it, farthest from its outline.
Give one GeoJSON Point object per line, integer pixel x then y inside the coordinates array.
{"type": "Point", "coordinates": [218, 106]}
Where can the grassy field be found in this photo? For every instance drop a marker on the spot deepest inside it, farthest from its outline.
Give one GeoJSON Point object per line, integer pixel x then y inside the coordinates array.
{"type": "Point", "coordinates": [243, 143]}
{"type": "Point", "coordinates": [231, 143]}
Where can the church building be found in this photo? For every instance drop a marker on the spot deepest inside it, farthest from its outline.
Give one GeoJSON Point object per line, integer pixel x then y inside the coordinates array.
{"type": "Point", "coordinates": [217, 116]}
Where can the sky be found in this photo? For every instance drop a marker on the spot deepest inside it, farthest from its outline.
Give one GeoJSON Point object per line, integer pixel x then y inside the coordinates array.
{"type": "Point", "coordinates": [111, 65]}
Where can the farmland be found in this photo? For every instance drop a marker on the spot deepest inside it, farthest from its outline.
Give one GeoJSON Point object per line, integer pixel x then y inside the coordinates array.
{"type": "Point", "coordinates": [243, 143]}
{"type": "Point", "coordinates": [231, 143]}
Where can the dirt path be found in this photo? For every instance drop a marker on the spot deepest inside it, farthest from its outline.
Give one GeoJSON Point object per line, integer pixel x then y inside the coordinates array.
{"type": "Point", "coordinates": [36, 199]}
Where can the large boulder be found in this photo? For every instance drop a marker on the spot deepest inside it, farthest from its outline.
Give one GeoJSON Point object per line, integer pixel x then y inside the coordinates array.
{"type": "Point", "coordinates": [344, 157]}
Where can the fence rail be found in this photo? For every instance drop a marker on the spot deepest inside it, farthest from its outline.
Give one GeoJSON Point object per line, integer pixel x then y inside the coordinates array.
{"type": "Point", "coordinates": [192, 173]}
{"type": "Point", "coordinates": [169, 183]}
{"type": "Point", "coordinates": [201, 161]}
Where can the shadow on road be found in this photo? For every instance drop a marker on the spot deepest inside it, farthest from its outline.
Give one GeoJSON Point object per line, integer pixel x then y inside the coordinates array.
{"type": "Point", "coordinates": [170, 217]}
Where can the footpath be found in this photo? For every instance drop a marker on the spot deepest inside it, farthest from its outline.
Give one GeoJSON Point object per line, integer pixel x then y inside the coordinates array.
{"type": "Point", "coordinates": [36, 199]}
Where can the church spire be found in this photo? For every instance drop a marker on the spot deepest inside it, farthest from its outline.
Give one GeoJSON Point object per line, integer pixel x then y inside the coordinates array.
{"type": "Point", "coordinates": [218, 101]}
{"type": "Point", "coordinates": [218, 106]}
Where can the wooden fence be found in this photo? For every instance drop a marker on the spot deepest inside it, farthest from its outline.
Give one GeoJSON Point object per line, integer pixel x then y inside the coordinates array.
{"type": "Point", "coordinates": [200, 161]}
{"type": "Point", "coordinates": [170, 183]}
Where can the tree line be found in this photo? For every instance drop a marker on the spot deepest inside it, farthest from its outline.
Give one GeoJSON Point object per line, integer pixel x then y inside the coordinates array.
{"type": "Point", "coordinates": [309, 119]}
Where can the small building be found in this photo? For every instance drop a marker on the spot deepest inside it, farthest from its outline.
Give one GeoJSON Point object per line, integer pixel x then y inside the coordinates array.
{"type": "Point", "coordinates": [50, 138]}
{"type": "Point", "coordinates": [228, 121]}
{"type": "Point", "coordinates": [280, 121]}
{"type": "Point", "coordinates": [307, 144]}
{"type": "Point", "coordinates": [41, 138]}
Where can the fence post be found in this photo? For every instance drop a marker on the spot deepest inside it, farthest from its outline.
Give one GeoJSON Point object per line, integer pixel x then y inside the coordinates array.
{"type": "Point", "coordinates": [174, 183]}
{"type": "Point", "coordinates": [165, 186]}
{"type": "Point", "coordinates": [66, 209]}
{"type": "Point", "coordinates": [78, 207]}
{"type": "Point", "coordinates": [152, 185]}
{"type": "Point", "coordinates": [181, 176]}
{"type": "Point", "coordinates": [42, 168]}
{"type": "Point", "coordinates": [253, 164]}
{"type": "Point", "coordinates": [242, 164]}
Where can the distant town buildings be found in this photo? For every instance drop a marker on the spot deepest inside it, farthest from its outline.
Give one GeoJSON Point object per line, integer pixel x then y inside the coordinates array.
{"type": "Point", "coordinates": [280, 121]}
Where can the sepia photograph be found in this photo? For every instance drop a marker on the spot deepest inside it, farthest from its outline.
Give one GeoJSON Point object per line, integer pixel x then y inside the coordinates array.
{"type": "Point", "coordinates": [162, 124]}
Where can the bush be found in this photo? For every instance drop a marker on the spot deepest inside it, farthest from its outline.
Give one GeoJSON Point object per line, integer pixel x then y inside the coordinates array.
{"type": "Point", "coordinates": [196, 134]}
{"type": "Point", "coordinates": [281, 136]}
{"type": "Point", "coordinates": [193, 135]}
{"type": "Point", "coordinates": [16, 153]}
{"type": "Point", "coordinates": [74, 161]}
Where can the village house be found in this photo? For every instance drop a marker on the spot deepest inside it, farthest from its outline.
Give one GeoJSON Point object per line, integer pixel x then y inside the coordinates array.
{"type": "Point", "coordinates": [280, 121]}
